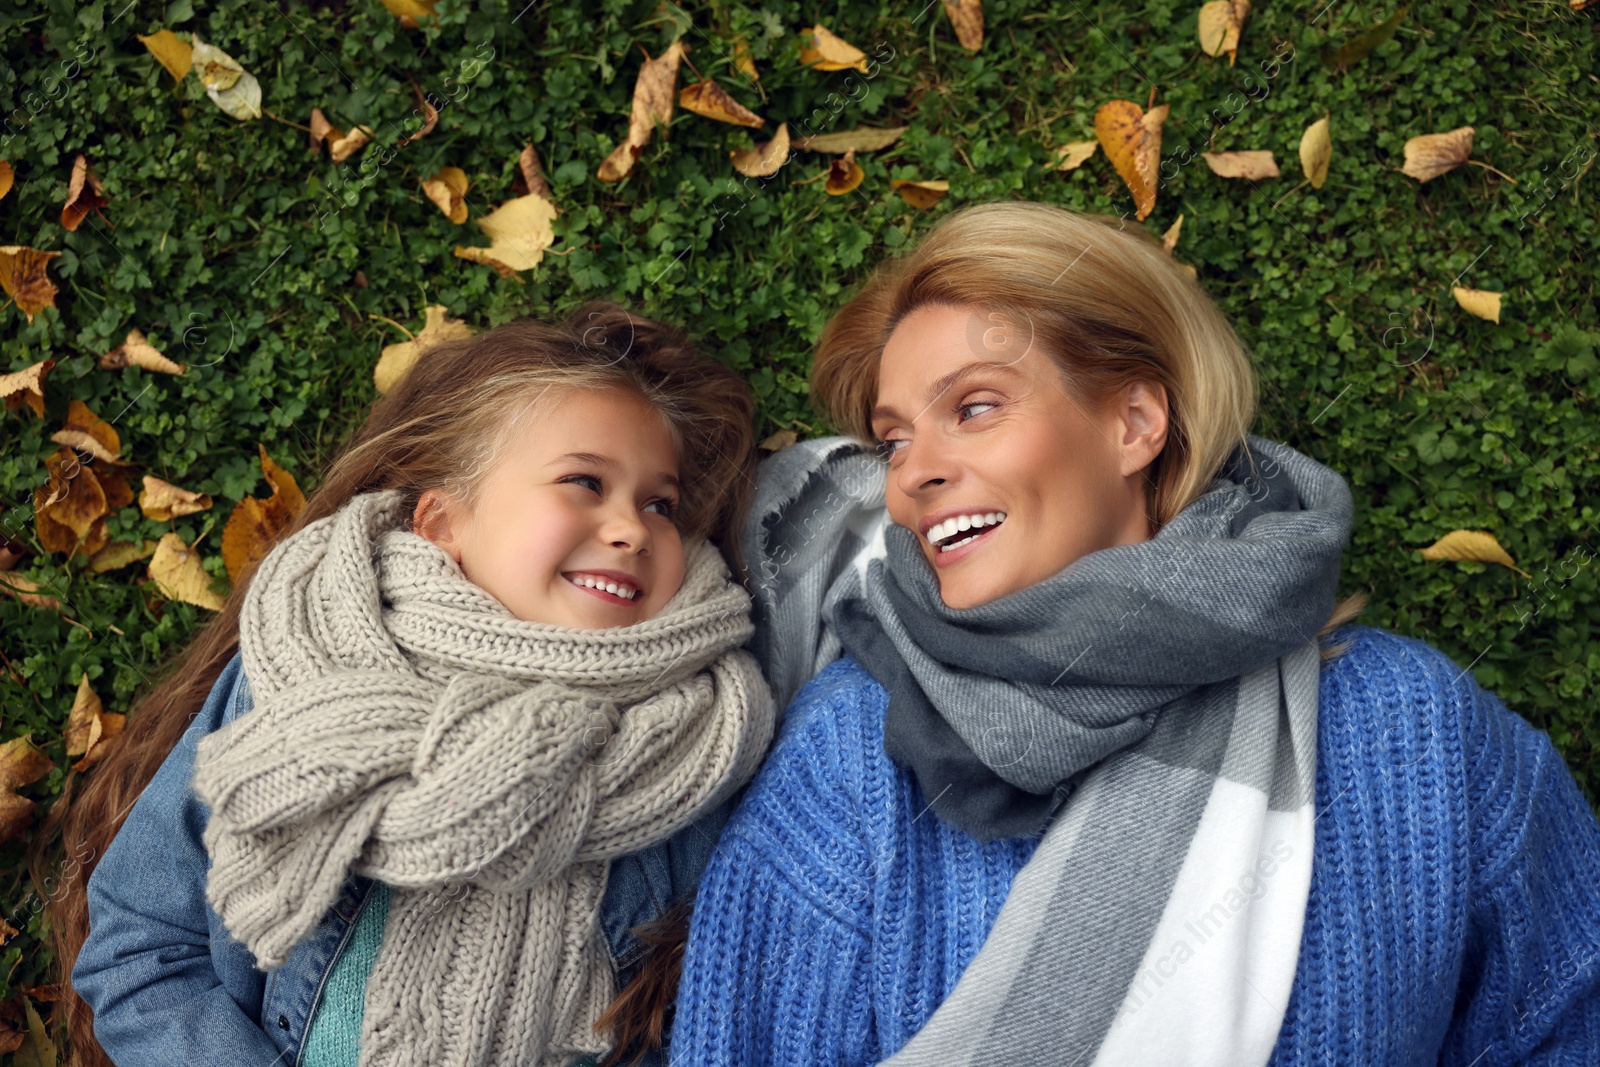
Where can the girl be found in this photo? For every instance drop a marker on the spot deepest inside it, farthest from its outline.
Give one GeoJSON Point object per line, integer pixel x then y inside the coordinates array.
{"type": "Point", "coordinates": [484, 690]}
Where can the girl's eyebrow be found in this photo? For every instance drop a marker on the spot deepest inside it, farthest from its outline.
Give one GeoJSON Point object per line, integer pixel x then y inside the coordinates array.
{"type": "Point", "coordinates": [598, 460]}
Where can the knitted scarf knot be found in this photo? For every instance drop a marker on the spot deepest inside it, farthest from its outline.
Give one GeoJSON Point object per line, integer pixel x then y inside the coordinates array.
{"type": "Point", "coordinates": [410, 728]}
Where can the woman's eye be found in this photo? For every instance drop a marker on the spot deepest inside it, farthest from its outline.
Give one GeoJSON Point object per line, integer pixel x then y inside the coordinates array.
{"type": "Point", "coordinates": [973, 404]}
{"type": "Point", "coordinates": [885, 449]}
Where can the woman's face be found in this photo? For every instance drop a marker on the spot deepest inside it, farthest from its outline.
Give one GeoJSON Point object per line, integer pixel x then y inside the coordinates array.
{"type": "Point", "coordinates": [979, 424]}
{"type": "Point", "coordinates": [587, 494]}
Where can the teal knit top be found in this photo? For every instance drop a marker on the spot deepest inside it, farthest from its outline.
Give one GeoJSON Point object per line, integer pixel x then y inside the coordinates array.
{"type": "Point", "coordinates": [335, 1036]}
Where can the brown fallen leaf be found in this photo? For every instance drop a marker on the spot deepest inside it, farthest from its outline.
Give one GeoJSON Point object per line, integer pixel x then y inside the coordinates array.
{"type": "Point", "coordinates": [1131, 138]}
{"type": "Point", "coordinates": [1483, 303]}
{"type": "Point", "coordinates": [37, 1050]}
{"type": "Point", "coordinates": [1433, 154]}
{"type": "Point", "coordinates": [844, 175]}
{"type": "Point", "coordinates": [519, 232]}
{"type": "Point", "coordinates": [780, 440]}
{"type": "Point", "coordinates": [397, 359]}
{"type": "Point", "coordinates": [178, 573]}
{"type": "Point", "coordinates": [27, 591]}
{"type": "Point", "coordinates": [861, 139]}
{"type": "Point", "coordinates": [341, 145]}
{"type": "Point", "coordinates": [88, 432]}
{"type": "Point", "coordinates": [712, 100]}
{"type": "Point", "coordinates": [448, 191]}
{"type": "Point", "coordinates": [822, 50]}
{"type": "Point", "coordinates": [91, 730]}
{"type": "Point", "coordinates": [1073, 154]}
{"type": "Point", "coordinates": [162, 501]}
{"type": "Point", "coordinates": [26, 387]}
{"type": "Point", "coordinates": [21, 763]}
{"type": "Point", "coordinates": [1251, 166]}
{"type": "Point", "coordinates": [1316, 151]}
{"type": "Point", "coordinates": [763, 160]}
{"type": "Point", "coordinates": [1220, 23]}
{"type": "Point", "coordinates": [1169, 240]}
{"type": "Point", "coordinates": [967, 18]}
{"type": "Point", "coordinates": [23, 276]}
{"type": "Point", "coordinates": [137, 351]}
{"type": "Point", "coordinates": [652, 103]}
{"type": "Point", "coordinates": [7, 178]}
{"type": "Point", "coordinates": [254, 525]}
{"type": "Point", "coordinates": [119, 554]}
{"type": "Point", "coordinates": [1477, 545]}
{"type": "Point", "coordinates": [430, 117]}
{"type": "Point", "coordinates": [410, 9]}
{"type": "Point", "coordinates": [69, 510]}
{"type": "Point", "coordinates": [172, 52]}
{"type": "Point", "coordinates": [743, 61]}
{"type": "Point", "coordinates": [530, 176]}
{"type": "Point", "coordinates": [920, 195]}
{"type": "Point", "coordinates": [84, 194]}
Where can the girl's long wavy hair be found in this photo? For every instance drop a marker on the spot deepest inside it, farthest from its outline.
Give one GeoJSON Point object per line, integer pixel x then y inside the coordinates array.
{"type": "Point", "coordinates": [444, 425]}
{"type": "Point", "coordinates": [1104, 301]}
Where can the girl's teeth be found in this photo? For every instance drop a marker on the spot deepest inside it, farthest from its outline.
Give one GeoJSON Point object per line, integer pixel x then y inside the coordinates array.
{"type": "Point", "coordinates": [610, 587]}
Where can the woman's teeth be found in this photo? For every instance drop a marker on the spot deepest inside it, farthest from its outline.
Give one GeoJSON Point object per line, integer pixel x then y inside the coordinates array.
{"type": "Point", "coordinates": [616, 589]}
{"type": "Point", "coordinates": [980, 521]}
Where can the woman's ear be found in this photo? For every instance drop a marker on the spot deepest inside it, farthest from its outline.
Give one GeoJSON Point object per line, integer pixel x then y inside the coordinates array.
{"type": "Point", "coordinates": [432, 520]}
{"type": "Point", "coordinates": [1141, 411]}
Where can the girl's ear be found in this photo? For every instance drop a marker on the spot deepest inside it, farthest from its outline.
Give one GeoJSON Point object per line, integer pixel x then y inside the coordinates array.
{"type": "Point", "coordinates": [432, 521]}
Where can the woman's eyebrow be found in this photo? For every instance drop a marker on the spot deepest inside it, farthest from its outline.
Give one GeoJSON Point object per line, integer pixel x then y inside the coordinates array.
{"type": "Point", "coordinates": [946, 382]}
{"type": "Point", "coordinates": [607, 462]}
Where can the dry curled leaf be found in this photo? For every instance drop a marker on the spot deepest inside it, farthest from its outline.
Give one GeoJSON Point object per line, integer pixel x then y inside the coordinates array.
{"type": "Point", "coordinates": [822, 50]}
{"type": "Point", "coordinates": [448, 191]}
{"type": "Point", "coordinates": [27, 591]}
{"type": "Point", "coordinates": [172, 52]}
{"type": "Point", "coordinates": [1480, 302]}
{"type": "Point", "coordinates": [861, 139]}
{"type": "Point", "coordinates": [1251, 166]}
{"type": "Point", "coordinates": [179, 574]}
{"type": "Point", "coordinates": [84, 194]}
{"type": "Point", "coordinates": [1477, 545]}
{"type": "Point", "coordinates": [763, 160]}
{"type": "Point", "coordinates": [1169, 240]}
{"type": "Point", "coordinates": [254, 525]}
{"type": "Point", "coordinates": [23, 276]}
{"type": "Point", "coordinates": [780, 440]}
{"type": "Point", "coordinates": [91, 730]}
{"type": "Point", "coordinates": [1220, 23]}
{"type": "Point", "coordinates": [397, 359]}
{"type": "Point", "coordinates": [1316, 151]}
{"type": "Point", "coordinates": [7, 178]}
{"type": "Point", "coordinates": [21, 763]}
{"type": "Point", "coordinates": [519, 232]}
{"type": "Point", "coordinates": [430, 117]}
{"type": "Point", "coordinates": [341, 145]}
{"type": "Point", "coordinates": [26, 387]}
{"type": "Point", "coordinates": [162, 501]}
{"type": "Point", "coordinates": [88, 432]}
{"type": "Point", "coordinates": [713, 101]}
{"type": "Point", "coordinates": [844, 175]}
{"type": "Point", "coordinates": [652, 103]}
{"type": "Point", "coordinates": [530, 176]}
{"type": "Point", "coordinates": [69, 510]}
{"type": "Point", "coordinates": [137, 351]}
{"type": "Point", "coordinates": [233, 90]}
{"type": "Point", "coordinates": [743, 61]}
{"type": "Point", "coordinates": [920, 195]}
{"type": "Point", "coordinates": [967, 18]}
{"type": "Point", "coordinates": [1131, 138]}
{"type": "Point", "coordinates": [1433, 154]}
{"type": "Point", "coordinates": [1073, 154]}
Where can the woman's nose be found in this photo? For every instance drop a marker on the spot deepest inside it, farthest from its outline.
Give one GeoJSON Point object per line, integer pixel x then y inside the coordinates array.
{"type": "Point", "coordinates": [921, 467]}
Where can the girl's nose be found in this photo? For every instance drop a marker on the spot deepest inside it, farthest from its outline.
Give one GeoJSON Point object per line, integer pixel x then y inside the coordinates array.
{"type": "Point", "coordinates": [625, 529]}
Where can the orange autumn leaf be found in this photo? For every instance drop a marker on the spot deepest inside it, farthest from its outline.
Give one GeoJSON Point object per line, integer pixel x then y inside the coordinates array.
{"type": "Point", "coordinates": [7, 177]}
{"type": "Point", "coordinates": [88, 432]}
{"type": "Point", "coordinates": [255, 525]}
{"type": "Point", "coordinates": [21, 763]}
{"type": "Point", "coordinates": [1131, 138]}
{"type": "Point", "coordinates": [713, 101]}
{"type": "Point", "coordinates": [448, 191]}
{"type": "Point", "coordinates": [90, 728]}
{"type": "Point", "coordinates": [26, 387]}
{"type": "Point", "coordinates": [967, 18]}
{"type": "Point", "coordinates": [844, 175]}
{"type": "Point", "coordinates": [84, 194]}
{"type": "Point", "coordinates": [920, 195]}
{"type": "Point", "coordinates": [70, 509]}
{"type": "Point", "coordinates": [23, 276]}
{"type": "Point", "coordinates": [820, 49]}
{"type": "Point", "coordinates": [652, 103]}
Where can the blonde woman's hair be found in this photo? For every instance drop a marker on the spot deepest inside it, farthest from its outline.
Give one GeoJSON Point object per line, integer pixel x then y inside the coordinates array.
{"type": "Point", "coordinates": [1106, 303]}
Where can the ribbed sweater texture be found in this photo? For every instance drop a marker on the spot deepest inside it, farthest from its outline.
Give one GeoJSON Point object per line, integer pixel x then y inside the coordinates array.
{"type": "Point", "coordinates": [334, 1039]}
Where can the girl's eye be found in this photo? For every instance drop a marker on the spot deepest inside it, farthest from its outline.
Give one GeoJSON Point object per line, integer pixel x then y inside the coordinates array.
{"type": "Point", "coordinates": [670, 507]}
{"type": "Point", "coordinates": [584, 478]}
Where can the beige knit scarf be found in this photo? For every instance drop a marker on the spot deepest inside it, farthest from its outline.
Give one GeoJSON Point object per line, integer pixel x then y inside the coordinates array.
{"type": "Point", "coordinates": [409, 727]}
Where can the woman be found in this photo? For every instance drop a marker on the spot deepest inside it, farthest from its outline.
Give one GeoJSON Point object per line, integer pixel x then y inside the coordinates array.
{"type": "Point", "coordinates": [1096, 780]}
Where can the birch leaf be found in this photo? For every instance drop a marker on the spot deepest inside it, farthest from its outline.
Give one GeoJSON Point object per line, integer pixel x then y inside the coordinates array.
{"type": "Point", "coordinates": [712, 100]}
{"type": "Point", "coordinates": [1220, 23]}
{"type": "Point", "coordinates": [178, 573]}
{"type": "Point", "coordinates": [967, 18]}
{"type": "Point", "coordinates": [921, 195]}
{"type": "Point", "coordinates": [21, 763]}
{"type": "Point", "coordinates": [233, 90]}
{"type": "Point", "coordinates": [861, 139]}
{"type": "Point", "coordinates": [171, 51]}
{"type": "Point", "coordinates": [1316, 151]}
{"type": "Point", "coordinates": [448, 191]}
{"type": "Point", "coordinates": [91, 730]}
{"type": "Point", "coordinates": [1074, 154]}
{"type": "Point", "coordinates": [519, 232]}
{"type": "Point", "coordinates": [26, 387]}
{"type": "Point", "coordinates": [69, 511]}
{"type": "Point", "coordinates": [254, 525]}
{"type": "Point", "coordinates": [1131, 138]}
{"type": "Point", "coordinates": [822, 50]}
{"type": "Point", "coordinates": [137, 351]}
{"type": "Point", "coordinates": [652, 104]}
{"type": "Point", "coordinates": [1433, 154]}
{"type": "Point", "coordinates": [119, 554]}
{"type": "Point", "coordinates": [84, 194]}
{"type": "Point", "coordinates": [162, 501]}
{"type": "Point", "coordinates": [1477, 545]}
{"type": "Point", "coordinates": [1252, 166]}
{"type": "Point", "coordinates": [844, 175]}
{"type": "Point", "coordinates": [1480, 302]}
{"type": "Point", "coordinates": [23, 276]}
{"type": "Point", "coordinates": [397, 359]}
{"type": "Point", "coordinates": [763, 160]}
{"type": "Point", "coordinates": [88, 432]}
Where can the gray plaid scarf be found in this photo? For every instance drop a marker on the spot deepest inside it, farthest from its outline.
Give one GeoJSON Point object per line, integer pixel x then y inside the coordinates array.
{"type": "Point", "coordinates": [1151, 709]}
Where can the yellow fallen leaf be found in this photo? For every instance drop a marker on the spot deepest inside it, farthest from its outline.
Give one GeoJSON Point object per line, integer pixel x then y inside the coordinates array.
{"type": "Point", "coordinates": [88, 432]}
{"type": "Point", "coordinates": [84, 194]}
{"type": "Point", "coordinates": [1480, 302]}
{"type": "Point", "coordinates": [1220, 23]}
{"type": "Point", "coordinates": [137, 351]}
{"type": "Point", "coordinates": [119, 554]}
{"type": "Point", "coordinates": [530, 176]}
{"type": "Point", "coordinates": [652, 103]}
{"type": "Point", "coordinates": [763, 160]}
{"type": "Point", "coordinates": [172, 52]}
{"type": "Point", "coordinates": [178, 573]}
{"type": "Point", "coordinates": [410, 9]}
{"type": "Point", "coordinates": [1169, 240]}
{"type": "Point", "coordinates": [712, 100]}
{"type": "Point", "coordinates": [26, 387]}
{"type": "Point", "coordinates": [967, 18]}
{"type": "Point", "coordinates": [1316, 151]}
{"type": "Point", "coordinates": [821, 50]}
{"type": "Point", "coordinates": [21, 763]}
{"type": "Point", "coordinates": [341, 145]}
{"type": "Point", "coordinates": [1477, 545]}
{"type": "Point", "coordinates": [1251, 166]}
{"type": "Point", "coordinates": [233, 90]}
{"type": "Point", "coordinates": [448, 191]}
{"type": "Point", "coordinates": [23, 276]}
{"type": "Point", "coordinates": [27, 591]}
{"type": "Point", "coordinates": [861, 139]}
{"type": "Point", "coordinates": [399, 358]}
{"type": "Point", "coordinates": [743, 60]}
{"type": "Point", "coordinates": [90, 728]}
{"type": "Point", "coordinates": [162, 501]}
{"type": "Point", "coordinates": [780, 440]}
{"type": "Point", "coordinates": [844, 175]}
{"type": "Point", "coordinates": [7, 178]}
{"type": "Point", "coordinates": [69, 510]}
{"type": "Point", "coordinates": [1074, 154]}
{"type": "Point", "coordinates": [254, 525]}
{"type": "Point", "coordinates": [1131, 138]}
{"type": "Point", "coordinates": [921, 195]}
{"type": "Point", "coordinates": [1433, 154]}
{"type": "Point", "coordinates": [519, 232]}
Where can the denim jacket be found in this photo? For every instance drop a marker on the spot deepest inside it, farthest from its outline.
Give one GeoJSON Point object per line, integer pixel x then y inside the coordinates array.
{"type": "Point", "coordinates": [168, 984]}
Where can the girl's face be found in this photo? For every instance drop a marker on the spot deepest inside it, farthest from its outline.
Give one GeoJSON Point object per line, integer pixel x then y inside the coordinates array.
{"type": "Point", "coordinates": [588, 494]}
{"type": "Point", "coordinates": [979, 425]}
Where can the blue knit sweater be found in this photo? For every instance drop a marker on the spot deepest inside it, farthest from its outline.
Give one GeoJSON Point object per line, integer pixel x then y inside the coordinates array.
{"type": "Point", "coordinates": [1454, 913]}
